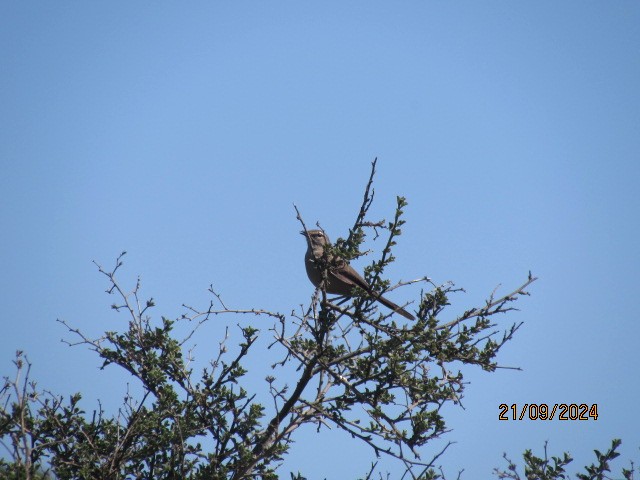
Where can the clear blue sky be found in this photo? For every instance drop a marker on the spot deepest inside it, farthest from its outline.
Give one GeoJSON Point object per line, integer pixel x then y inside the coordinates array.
{"type": "Point", "coordinates": [183, 133]}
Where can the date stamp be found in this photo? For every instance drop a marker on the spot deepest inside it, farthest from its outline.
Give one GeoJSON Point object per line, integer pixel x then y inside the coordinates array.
{"type": "Point", "coordinates": [543, 411]}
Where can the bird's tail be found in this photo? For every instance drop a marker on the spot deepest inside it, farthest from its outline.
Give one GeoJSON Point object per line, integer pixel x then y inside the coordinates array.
{"type": "Point", "coordinates": [396, 308]}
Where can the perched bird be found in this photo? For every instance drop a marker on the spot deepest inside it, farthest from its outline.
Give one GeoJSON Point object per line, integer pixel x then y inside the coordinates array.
{"type": "Point", "coordinates": [341, 277]}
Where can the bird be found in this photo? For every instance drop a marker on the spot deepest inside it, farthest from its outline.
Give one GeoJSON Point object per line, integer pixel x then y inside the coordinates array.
{"type": "Point", "coordinates": [341, 277]}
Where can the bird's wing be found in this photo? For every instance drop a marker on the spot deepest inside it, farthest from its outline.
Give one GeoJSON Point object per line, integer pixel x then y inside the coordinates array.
{"type": "Point", "coordinates": [345, 273]}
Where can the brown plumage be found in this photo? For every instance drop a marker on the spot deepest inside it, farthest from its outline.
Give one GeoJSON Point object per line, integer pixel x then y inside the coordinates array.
{"type": "Point", "coordinates": [341, 277]}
